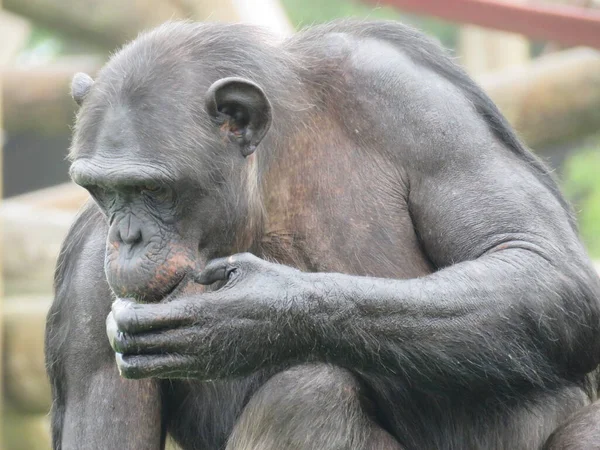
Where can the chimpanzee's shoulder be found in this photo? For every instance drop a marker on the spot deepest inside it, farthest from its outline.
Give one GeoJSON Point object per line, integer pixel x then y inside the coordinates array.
{"type": "Point", "coordinates": [344, 35]}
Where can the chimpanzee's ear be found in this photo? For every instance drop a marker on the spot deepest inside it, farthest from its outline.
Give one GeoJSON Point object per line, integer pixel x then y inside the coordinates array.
{"type": "Point", "coordinates": [80, 87]}
{"type": "Point", "coordinates": [242, 110]}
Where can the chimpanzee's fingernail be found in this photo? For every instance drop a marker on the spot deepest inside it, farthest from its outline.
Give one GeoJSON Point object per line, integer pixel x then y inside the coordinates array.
{"type": "Point", "coordinates": [120, 362]}
{"type": "Point", "coordinates": [212, 275]}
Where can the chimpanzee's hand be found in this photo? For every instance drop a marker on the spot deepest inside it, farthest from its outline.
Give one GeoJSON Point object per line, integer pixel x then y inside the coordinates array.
{"type": "Point", "coordinates": [234, 330]}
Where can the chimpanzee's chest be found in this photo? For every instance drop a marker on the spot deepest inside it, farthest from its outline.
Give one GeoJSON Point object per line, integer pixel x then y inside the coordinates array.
{"type": "Point", "coordinates": [371, 237]}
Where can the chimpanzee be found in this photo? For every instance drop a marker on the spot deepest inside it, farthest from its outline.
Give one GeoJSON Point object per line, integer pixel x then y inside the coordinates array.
{"type": "Point", "coordinates": [332, 241]}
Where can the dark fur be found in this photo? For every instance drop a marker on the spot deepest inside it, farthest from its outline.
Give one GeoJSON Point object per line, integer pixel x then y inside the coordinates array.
{"type": "Point", "coordinates": [580, 432]}
{"type": "Point", "coordinates": [383, 160]}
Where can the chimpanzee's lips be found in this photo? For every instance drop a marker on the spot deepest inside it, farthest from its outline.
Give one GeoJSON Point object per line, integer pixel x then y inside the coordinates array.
{"type": "Point", "coordinates": [177, 287]}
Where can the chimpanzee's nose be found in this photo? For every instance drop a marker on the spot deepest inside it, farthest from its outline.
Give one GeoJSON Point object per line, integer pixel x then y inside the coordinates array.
{"type": "Point", "coordinates": [129, 231]}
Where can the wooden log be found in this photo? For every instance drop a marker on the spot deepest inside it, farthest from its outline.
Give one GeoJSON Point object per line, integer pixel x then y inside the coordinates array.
{"type": "Point", "coordinates": [562, 23]}
{"type": "Point", "coordinates": [482, 50]}
{"type": "Point", "coordinates": [110, 23]}
{"type": "Point", "coordinates": [268, 14]}
{"type": "Point", "coordinates": [555, 98]}
{"type": "Point", "coordinates": [264, 13]}
{"type": "Point", "coordinates": [14, 32]}
{"type": "Point", "coordinates": [37, 100]}
{"type": "Point", "coordinates": [31, 240]}
{"type": "Point", "coordinates": [65, 197]}
{"type": "Point", "coordinates": [107, 23]}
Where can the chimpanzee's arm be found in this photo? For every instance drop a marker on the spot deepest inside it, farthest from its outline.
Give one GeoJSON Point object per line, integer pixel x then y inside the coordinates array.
{"type": "Point", "coordinates": [92, 407]}
{"type": "Point", "coordinates": [515, 299]}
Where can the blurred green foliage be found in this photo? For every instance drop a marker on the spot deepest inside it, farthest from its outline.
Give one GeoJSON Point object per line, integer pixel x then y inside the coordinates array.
{"type": "Point", "coordinates": [581, 185]}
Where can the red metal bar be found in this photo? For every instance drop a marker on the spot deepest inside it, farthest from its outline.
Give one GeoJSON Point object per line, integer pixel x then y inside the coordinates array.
{"type": "Point", "coordinates": [562, 23]}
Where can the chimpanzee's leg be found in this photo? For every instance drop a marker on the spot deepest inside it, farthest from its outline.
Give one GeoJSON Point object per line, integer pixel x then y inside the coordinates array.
{"type": "Point", "coordinates": [93, 407]}
{"type": "Point", "coordinates": [309, 407]}
{"type": "Point", "coordinates": [580, 432]}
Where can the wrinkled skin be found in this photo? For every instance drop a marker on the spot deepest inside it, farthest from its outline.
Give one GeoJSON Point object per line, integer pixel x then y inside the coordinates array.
{"type": "Point", "coordinates": [337, 242]}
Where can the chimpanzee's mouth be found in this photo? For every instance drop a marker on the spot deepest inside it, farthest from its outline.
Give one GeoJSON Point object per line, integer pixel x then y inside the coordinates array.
{"type": "Point", "coordinates": [175, 289]}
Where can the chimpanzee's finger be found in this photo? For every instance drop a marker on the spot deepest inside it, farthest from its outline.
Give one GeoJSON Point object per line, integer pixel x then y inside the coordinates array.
{"type": "Point", "coordinates": [180, 340]}
{"type": "Point", "coordinates": [219, 269]}
{"type": "Point", "coordinates": [159, 366]}
{"type": "Point", "coordinates": [133, 317]}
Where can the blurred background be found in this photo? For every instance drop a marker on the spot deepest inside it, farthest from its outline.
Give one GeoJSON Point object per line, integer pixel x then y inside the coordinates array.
{"type": "Point", "coordinates": [538, 60]}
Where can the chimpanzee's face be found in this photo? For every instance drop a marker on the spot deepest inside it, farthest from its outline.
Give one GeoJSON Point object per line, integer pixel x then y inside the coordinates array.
{"type": "Point", "coordinates": [173, 177]}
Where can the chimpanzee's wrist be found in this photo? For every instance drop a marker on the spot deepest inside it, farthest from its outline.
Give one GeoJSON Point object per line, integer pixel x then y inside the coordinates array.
{"type": "Point", "coordinates": [326, 293]}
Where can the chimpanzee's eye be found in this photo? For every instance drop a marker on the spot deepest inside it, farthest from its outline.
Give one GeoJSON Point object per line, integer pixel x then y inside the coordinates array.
{"type": "Point", "coordinates": [152, 188]}
{"type": "Point", "coordinates": [158, 193]}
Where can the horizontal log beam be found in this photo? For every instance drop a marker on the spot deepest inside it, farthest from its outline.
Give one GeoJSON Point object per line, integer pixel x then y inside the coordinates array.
{"type": "Point", "coordinates": [110, 23]}
{"type": "Point", "coordinates": [31, 240]}
{"type": "Point", "coordinates": [562, 23]}
{"type": "Point", "coordinates": [553, 99]}
{"type": "Point", "coordinates": [38, 100]}
{"type": "Point", "coordinates": [65, 197]}
{"type": "Point", "coordinates": [106, 23]}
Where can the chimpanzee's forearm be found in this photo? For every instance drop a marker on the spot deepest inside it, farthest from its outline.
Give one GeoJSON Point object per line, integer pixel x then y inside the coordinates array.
{"type": "Point", "coordinates": [508, 317]}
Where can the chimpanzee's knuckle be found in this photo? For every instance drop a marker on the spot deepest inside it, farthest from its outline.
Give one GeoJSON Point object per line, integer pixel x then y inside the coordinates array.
{"type": "Point", "coordinates": [129, 367]}
{"type": "Point", "coordinates": [250, 264]}
{"type": "Point", "coordinates": [125, 343]}
{"type": "Point", "coordinates": [123, 320]}
{"type": "Point", "coordinates": [127, 320]}
{"type": "Point", "coordinates": [215, 264]}
{"type": "Point", "coordinates": [247, 258]}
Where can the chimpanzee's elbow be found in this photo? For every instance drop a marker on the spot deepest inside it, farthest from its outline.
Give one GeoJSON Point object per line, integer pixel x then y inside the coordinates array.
{"type": "Point", "coordinates": [575, 334]}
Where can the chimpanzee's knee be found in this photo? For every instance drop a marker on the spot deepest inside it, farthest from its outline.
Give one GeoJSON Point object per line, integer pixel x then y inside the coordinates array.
{"type": "Point", "coordinates": [307, 407]}
{"type": "Point", "coordinates": [580, 432]}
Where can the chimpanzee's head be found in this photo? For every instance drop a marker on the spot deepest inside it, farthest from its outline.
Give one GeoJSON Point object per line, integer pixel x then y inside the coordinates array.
{"type": "Point", "coordinates": [164, 142]}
